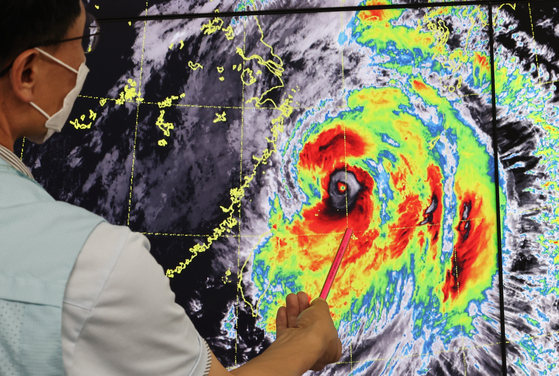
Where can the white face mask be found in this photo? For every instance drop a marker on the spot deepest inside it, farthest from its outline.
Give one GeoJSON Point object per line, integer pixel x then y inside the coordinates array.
{"type": "Point", "coordinates": [56, 122]}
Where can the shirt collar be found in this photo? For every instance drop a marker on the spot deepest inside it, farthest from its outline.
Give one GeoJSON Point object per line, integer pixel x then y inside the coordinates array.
{"type": "Point", "coordinates": [14, 161]}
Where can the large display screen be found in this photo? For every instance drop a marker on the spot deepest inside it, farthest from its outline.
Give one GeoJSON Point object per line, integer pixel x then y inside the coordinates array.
{"type": "Point", "coordinates": [243, 138]}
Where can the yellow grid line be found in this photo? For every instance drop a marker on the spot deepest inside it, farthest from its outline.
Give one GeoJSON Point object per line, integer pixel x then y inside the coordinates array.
{"type": "Point", "coordinates": [536, 209]}
{"type": "Point", "coordinates": [195, 235]}
{"type": "Point", "coordinates": [535, 337]}
{"type": "Point", "coordinates": [473, 95]}
{"type": "Point", "coordinates": [199, 105]}
{"type": "Point", "coordinates": [345, 160]}
{"type": "Point", "coordinates": [345, 138]}
{"type": "Point", "coordinates": [290, 236]}
{"type": "Point", "coordinates": [463, 339]}
{"type": "Point", "coordinates": [547, 82]}
{"type": "Point", "coordinates": [534, 38]}
{"type": "Point", "coordinates": [436, 224]}
{"type": "Point", "coordinates": [457, 350]}
{"type": "Point", "coordinates": [239, 271]}
{"type": "Point", "coordinates": [485, 345]}
{"type": "Point", "coordinates": [22, 146]}
{"type": "Point", "coordinates": [458, 287]}
{"type": "Point", "coordinates": [342, 53]}
{"type": "Point", "coordinates": [137, 118]}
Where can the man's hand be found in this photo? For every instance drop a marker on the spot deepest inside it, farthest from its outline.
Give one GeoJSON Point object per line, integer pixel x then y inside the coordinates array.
{"type": "Point", "coordinates": [315, 319]}
{"type": "Point", "coordinates": [306, 339]}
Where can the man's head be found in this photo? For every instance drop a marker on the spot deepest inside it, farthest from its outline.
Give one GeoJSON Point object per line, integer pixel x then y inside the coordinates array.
{"type": "Point", "coordinates": [33, 76]}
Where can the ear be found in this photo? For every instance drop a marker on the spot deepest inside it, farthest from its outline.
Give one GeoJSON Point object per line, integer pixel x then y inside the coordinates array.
{"type": "Point", "coordinates": [23, 75]}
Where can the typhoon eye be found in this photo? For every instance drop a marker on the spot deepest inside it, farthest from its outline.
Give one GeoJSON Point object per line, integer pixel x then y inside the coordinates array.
{"type": "Point", "coordinates": [343, 184]}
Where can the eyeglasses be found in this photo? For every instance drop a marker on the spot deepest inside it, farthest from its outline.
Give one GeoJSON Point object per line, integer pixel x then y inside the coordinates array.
{"type": "Point", "coordinates": [90, 38]}
{"type": "Point", "coordinates": [91, 33]}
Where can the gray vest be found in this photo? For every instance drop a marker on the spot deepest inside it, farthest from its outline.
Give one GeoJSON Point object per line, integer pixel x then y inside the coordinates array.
{"type": "Point", "coordinates": [40, 239]}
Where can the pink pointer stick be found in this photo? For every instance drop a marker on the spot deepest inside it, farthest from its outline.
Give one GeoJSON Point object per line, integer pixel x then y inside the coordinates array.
{"type": "Point", "coordinates": [336, 264]}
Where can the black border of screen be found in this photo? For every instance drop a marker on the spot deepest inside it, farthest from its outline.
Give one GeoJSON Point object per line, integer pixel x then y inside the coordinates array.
{"type": "Point", "coordinates": [286, 11]}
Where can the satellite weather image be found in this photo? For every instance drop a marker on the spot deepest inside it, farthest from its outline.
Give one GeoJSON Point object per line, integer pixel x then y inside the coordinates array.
{"type": "Point", "coordinates": [244, 137]}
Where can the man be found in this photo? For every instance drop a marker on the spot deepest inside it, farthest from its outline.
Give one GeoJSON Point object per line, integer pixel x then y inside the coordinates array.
{"type": "Point", "coordinates": [77, 295]}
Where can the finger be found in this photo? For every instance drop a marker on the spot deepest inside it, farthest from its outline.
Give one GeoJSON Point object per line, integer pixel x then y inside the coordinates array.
{"type": "Point", "coordinates": [303, 301]}
{"type": "Point", "coordinates": [281, 321]}
{"type": "Point", "coordinates": [292, 310]}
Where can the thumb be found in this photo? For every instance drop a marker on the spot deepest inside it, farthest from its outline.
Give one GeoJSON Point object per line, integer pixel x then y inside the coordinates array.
{"type": "Point", "coordinates": [320, 302]}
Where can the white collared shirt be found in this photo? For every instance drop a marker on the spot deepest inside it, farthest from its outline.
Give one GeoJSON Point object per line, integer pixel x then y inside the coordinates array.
{"type": "Point", "coordinates": [14, 161]}
{"type": "Point", "coordinates": [119, 315]}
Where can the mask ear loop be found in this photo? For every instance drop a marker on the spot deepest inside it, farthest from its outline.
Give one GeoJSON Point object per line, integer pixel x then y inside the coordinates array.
{"type": "Point", "coordinates": [57, 60]}
{"type": "Point", "coordinates": [40, 110]}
